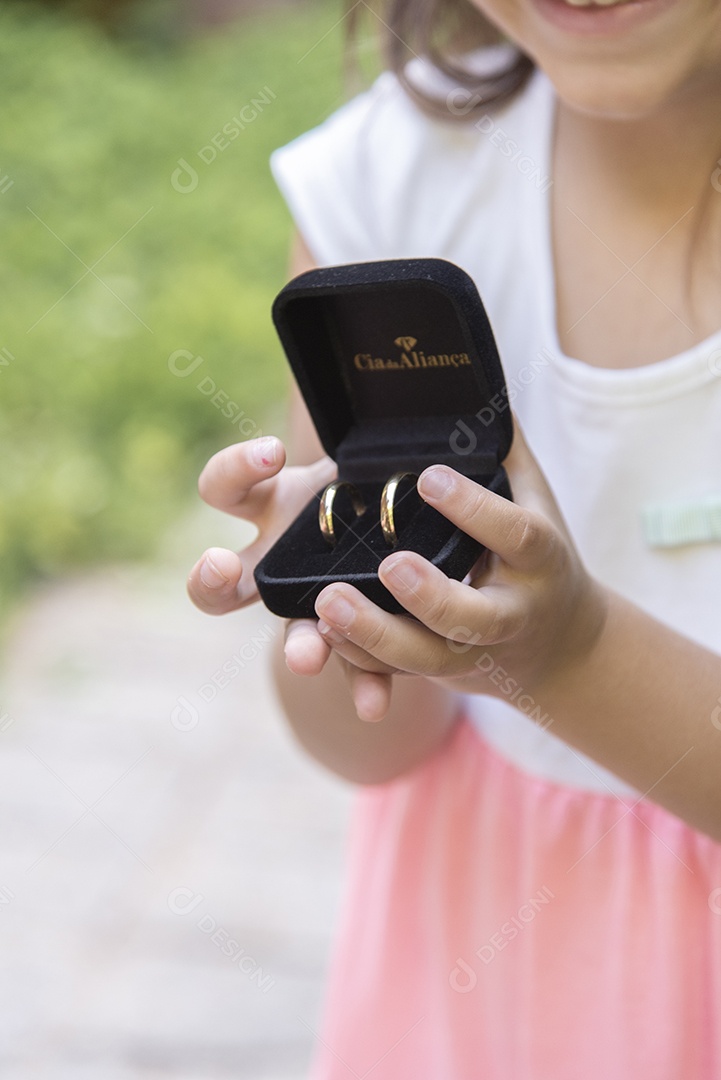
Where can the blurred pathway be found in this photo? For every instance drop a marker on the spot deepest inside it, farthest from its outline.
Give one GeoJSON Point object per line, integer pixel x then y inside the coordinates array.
{"type": "Point", "coordinates": [170, 862]}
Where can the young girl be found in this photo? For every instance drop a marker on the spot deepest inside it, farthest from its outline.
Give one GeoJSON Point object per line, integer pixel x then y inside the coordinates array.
{"type": "Point", "coordinates": [535, 879]}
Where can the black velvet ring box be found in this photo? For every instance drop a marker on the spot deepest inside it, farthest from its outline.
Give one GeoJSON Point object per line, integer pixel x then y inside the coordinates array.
{"type": "Point", "coordinates": [398, 366]}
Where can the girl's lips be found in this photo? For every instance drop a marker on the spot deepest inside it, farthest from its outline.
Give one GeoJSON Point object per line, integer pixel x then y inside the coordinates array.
{"type": "Point", "coordinates": [597, 20]}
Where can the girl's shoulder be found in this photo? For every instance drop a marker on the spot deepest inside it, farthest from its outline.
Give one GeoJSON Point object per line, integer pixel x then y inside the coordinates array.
{"type": "Point", "coordinates": [381, 177]}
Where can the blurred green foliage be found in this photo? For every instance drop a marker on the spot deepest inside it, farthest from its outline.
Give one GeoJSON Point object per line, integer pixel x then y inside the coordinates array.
{"type": "Point", "coordinates": [107, 270]}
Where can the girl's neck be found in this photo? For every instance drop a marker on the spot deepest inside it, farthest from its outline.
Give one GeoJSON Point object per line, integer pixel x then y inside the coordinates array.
{"type": "Point", "coordinates": [662, 163]}
{"type": "Point", "coordinates": [636, 229]}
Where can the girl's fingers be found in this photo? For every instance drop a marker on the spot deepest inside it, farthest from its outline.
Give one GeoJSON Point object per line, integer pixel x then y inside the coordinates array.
{"type": "Point", "coordinates": [305, 650]}
{"type": "Point", "coordinates": [213, 582]}
{"type": "Point", "coordinates": [306, 653]}
{"type": "Point", "coordinates": [243, 480]}
{"type": "Point", "coordinates": [371, 693]}
{"type": "Point", "coordinates": [349, 618]}
{"type": "Point", "coordinates": [222, 580]}
{"type": "Point", "coordinates": [354, 654]}
{"type": "Point", "coordinates": [451, 609]}
{"type": "Point", "coordinates": [523, 538]}
{"type": "Point", "coordinates": [231, 474]}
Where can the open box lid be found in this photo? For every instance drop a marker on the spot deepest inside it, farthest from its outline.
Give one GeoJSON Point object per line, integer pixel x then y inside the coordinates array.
{"type": "Point", "coordinates": [397, 362]}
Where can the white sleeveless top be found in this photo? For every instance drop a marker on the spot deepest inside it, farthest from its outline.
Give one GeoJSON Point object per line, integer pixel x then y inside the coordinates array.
{"type": "Point", "coordinates": [633, 456]}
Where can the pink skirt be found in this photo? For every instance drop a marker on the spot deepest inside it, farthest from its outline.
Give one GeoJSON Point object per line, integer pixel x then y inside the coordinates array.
{"type": "Point", "coordinates": [498, 926]}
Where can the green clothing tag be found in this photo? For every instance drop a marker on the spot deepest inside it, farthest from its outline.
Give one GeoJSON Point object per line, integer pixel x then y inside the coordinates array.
{"type": "Point", "coordinates": [691, 521]}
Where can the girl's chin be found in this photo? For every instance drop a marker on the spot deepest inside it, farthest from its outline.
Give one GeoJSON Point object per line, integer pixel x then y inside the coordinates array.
{"type": "Point", "coordinates": [616, 91]}
{"type": "Point", "coordinates": [605, 98]}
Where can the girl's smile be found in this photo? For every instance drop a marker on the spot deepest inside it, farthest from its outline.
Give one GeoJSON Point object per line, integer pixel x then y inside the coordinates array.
{"type": "Point", "coordinates": [600, 17]}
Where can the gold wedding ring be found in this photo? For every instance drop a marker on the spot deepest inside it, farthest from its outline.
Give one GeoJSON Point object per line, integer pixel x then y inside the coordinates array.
{"type": "Point", "coordinates": [388, 501]}
{"type": "Point", "coordinates": [326, 520]}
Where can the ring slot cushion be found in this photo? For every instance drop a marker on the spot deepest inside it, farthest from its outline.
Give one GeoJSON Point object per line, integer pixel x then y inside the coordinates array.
{"type": "Point", "coordinates": [399, 369]}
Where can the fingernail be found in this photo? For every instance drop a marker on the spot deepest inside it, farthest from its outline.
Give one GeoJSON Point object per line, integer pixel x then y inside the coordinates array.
{"type": "Point", "coordinates": [400, 571]}
{"type": "Point", "coordinates": [265, 451]}
{"type": "Point", "coordinates": [336, 610]}
{"type": "Point", "coordinates": [328, 633]}
{"type": "Point", "coordinates": [436, 482]}
{"type": "Point", "coordinates": [211, 576]}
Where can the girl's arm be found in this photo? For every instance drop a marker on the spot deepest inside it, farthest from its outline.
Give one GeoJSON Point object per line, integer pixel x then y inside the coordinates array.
{"type": "Point", "coordinates": [625, 689]}
{"type": "Point", "coordinates": [646, 703]}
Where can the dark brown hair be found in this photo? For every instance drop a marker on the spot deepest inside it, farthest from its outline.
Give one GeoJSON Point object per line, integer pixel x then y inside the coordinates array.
{"type": "Point", "coordinates": [442, 32]}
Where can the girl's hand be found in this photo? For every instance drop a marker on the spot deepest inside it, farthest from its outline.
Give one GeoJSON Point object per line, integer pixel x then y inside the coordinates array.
{"type": "Point", "coordinates": [532, 610]}
{"type": "Point", "coordinates": [249, 481]}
